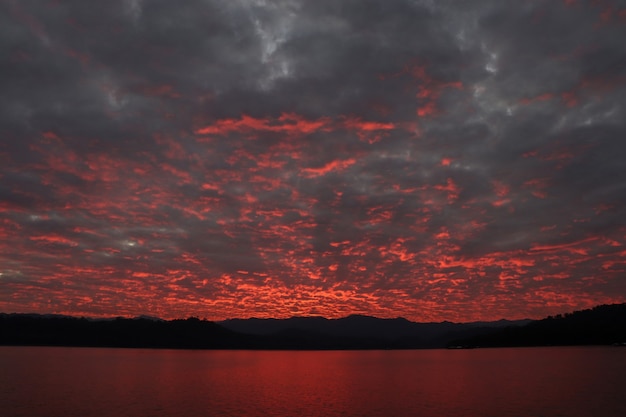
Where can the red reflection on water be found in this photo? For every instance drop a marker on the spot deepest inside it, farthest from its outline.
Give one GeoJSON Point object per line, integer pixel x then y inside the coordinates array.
{"type": "Point", "coordinates": [577, 382]}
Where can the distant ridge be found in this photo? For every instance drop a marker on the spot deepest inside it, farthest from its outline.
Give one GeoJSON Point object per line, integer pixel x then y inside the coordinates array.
{"type": "Point", "coordinates": [398, 332]}
{"type": "Point", "coordinates": [352, 332]}
{"type": "Point", "coordinates": [601, 325]}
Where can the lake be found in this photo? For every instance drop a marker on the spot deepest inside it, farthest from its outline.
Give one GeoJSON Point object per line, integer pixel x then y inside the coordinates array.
{"type": "Point", "coordinates": [89, 382]}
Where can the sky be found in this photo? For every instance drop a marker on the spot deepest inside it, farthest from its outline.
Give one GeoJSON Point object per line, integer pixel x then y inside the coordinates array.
{"type": "Point", "coordinates": [434, 160]}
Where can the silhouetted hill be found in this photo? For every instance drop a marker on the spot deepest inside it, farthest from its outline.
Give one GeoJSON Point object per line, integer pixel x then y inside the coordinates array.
{"type": "Point", "coordinates": [385, 333]}
{"type": "Point", "coordinates": [353, 332]}
{"type": "Point", "coordinates": [601, 325]}
{"type": "Point", "coordinates": [30, 329]}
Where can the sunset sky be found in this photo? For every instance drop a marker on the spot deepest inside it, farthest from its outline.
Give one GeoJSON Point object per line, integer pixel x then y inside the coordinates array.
{"type": "Point", "coordinates": [430, 159]}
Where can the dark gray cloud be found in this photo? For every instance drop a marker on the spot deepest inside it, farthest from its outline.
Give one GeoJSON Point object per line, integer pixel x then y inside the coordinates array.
{"type": "Point", "coordinates": [438, 160]}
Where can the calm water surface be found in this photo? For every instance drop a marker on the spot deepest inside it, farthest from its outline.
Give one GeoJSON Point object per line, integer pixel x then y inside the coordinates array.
{"type": "Point", "coordinates": [44, 381]}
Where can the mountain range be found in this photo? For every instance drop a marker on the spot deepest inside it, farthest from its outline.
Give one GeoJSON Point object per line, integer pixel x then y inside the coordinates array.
{"type": "Point", "coordinates": [366, 330]}
{"type": "Point", "coordinates": [601, 325]}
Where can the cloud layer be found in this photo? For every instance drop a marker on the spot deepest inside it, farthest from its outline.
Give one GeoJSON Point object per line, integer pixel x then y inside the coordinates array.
{"type": "Point", "coordinates": [434, 160]}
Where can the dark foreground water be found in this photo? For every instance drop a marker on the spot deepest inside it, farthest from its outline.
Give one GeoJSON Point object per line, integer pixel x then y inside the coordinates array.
{"type": "Point", "coordinates": [43, 381]}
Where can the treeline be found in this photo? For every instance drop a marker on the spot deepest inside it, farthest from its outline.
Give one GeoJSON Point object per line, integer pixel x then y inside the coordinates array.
{"type": "Point", "coordinates": [36, 330]}
{"type": "Point", "coordinates": [601, 325]}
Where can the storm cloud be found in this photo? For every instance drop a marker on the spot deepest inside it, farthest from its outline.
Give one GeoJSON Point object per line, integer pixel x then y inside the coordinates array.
{"type": "Point", "coordinates": [437, 160]}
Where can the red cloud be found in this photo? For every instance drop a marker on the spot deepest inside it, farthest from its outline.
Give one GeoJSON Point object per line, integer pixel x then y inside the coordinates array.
{"type": "Point", "coordinates": [338, 165]}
